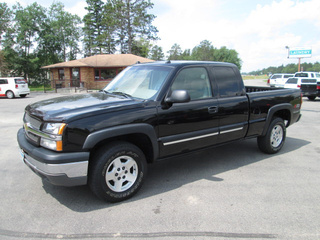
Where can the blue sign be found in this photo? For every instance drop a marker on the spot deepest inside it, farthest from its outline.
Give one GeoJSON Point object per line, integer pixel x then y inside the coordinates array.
{"type": "Point", "coordinates": [300, 53]}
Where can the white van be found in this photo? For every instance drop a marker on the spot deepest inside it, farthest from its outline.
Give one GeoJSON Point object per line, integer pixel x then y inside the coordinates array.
{"type": "Point", "coordinates": [11, 87]}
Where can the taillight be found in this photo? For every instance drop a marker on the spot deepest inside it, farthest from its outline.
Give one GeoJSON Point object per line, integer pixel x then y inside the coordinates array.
{"type": "Point", "coordinates": [318, 87]}
{"type": "Point", "coordinates": [268, 81]}
{"type": "Point", "coordinates": [16, 85]}
{"type": "Point", "coordinates": [299, 86]}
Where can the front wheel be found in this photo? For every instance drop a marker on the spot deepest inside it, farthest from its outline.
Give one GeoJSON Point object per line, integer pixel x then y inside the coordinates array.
{"type": "Point", "coordinates": [274, 140]}
{"type": "Point", "coordinates": [117, 171]}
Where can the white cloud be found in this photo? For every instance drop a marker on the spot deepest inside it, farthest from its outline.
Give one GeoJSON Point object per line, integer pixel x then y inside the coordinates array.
{"type": "Point", "coordinates": [259, 37]}
{"type": "Point", "coordinates": [78, 9]}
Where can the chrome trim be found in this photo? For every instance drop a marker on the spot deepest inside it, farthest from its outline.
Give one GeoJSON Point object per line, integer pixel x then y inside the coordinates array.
{"type": "Point", "coordinates": [29, 128]}
{"type": "Point", "coordinates": [190, 139]}
{"type": "Point", "coordinates": [231, 130]}
{"type": "Point", "coordinates": [72, 170]}
{"type": "Point", "coordinates": [202, 136]}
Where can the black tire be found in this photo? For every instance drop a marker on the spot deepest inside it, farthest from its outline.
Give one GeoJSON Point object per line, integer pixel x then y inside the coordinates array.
{"type": "Point", "coordinates": [274, 140]}
{"type": "Point", "coordinates": [10, 94]}
{"type": "Point", "coordinates": [117, 171]}
{"type": "Point", "coordinates": [312, 98]}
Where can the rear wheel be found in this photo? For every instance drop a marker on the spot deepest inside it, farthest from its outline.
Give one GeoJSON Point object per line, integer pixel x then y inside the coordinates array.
{"type": "Point", "coordinates": [312, 98]}
{"type": "Point", "coordinates": [10, 94]}
{"type": "Point", "coordinates": [117, 171]}
{"type": "Point", "coordinates": [274, 140]}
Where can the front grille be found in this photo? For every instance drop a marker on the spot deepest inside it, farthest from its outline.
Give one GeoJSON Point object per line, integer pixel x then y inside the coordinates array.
{"type": "Point", "coordinates": [35, 123]}
{"type": "Point", "coordinates": [32, 124]}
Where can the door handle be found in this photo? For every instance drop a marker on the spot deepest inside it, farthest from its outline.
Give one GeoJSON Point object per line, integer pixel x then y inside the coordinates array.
{"type": "Point", "coordinates": [213, 109]}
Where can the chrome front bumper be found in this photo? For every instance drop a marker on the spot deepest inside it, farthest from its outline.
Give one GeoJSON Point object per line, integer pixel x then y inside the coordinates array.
{"type": "Point", "coordinates": [63, 169]}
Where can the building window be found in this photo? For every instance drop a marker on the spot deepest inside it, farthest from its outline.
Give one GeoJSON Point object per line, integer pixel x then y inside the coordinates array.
{"type": "Point", "coordinates": [61, 74]}
{"type": "Point", "coordinates": [75, 75]}
{"type": "Point", "coordinates": [104, 74]}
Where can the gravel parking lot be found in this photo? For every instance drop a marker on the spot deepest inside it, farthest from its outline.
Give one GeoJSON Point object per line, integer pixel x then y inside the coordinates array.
{"type": "Point", "coordinates": [229, 192]}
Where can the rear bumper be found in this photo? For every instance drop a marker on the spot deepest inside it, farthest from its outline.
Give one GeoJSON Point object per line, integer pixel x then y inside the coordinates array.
{"type": "Point", "coordinates": [63, 169]}
{"type": "Point", "coordinates": [18, 92]}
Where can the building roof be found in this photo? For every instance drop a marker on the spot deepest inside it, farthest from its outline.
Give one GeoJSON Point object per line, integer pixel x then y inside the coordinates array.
{"type": "Point", "coordinates": [102, 61]}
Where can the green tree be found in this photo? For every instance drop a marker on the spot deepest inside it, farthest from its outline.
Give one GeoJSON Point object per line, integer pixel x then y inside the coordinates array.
{"type": "Point", "coordinates": [175, 52]}
{"type": "Point", "coordinates": [227, 55]}
{"type": "Point", "coordinates": [156, 53]}
{"type": "Point", "coordinates": [23, 36]}
{"type": "Point", "coordinates": [63, 32]}
{"type": "Point", "coordinates": [203, 52]}
{"type": "Point", "coordinates": [5, 18]}
{"type": "Point", "coordinates": [133, 21]}
{"type": "Point", "coordinates": [94, 27]}
{"type": "Point", "coordinates": [110, 21]}
{"type": "Point", "coordinates": [141, 47]}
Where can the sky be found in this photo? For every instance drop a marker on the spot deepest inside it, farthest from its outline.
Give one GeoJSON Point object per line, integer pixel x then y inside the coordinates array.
{"type": "Point", "coordinates": [258, 30]}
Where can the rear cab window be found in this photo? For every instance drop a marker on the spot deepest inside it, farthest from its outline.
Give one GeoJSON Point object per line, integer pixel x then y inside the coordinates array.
{"type": "Point", "coordinates": [227, 81]}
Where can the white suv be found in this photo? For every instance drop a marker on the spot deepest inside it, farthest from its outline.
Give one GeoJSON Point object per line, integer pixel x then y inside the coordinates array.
{"type": "Point", "coordinates": [279, 79]}
{"type": "Point", "coordinates": [11, 87]}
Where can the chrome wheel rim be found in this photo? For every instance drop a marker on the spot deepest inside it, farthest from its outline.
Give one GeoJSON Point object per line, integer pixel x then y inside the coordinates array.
{"type": "Point", "coordinates": [276, 136]}
{"type": "Point", "coordinates": [121, 174]}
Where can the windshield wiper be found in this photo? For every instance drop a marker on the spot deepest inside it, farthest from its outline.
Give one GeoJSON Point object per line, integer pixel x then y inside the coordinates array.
{"type": "Point", "coordinates": [103, 91]}
{"type": "Point", "coordinates": [122, 94]}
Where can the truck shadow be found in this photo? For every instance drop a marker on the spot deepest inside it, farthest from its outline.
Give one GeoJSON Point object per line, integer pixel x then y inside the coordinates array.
{"type": "Point", "coordinates": [173, 173]}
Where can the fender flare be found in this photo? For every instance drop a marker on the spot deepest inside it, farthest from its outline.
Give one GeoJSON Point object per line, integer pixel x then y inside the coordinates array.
{"type": "Point", "coordinates": [139, 128]}
{"type": "Point", "coordinates": [272, 111]}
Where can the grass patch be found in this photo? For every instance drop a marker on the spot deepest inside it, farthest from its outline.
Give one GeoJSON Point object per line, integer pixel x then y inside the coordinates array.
{"type": "Point", "coordinates": [40, 88]}
{"type": "Point", "coordinates": [251, 77]}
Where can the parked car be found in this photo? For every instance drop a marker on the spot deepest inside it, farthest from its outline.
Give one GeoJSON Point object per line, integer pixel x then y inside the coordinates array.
{"type": "Point", "coordinates": [11, 87]}
{"type": "Point", "coordinates": [279, 79]}
{"type": "Point", "coordinates": [150, 112]}
{"type": "Point", "coordinates": [308, 86]}
{"type": "Point", "coordinates": [310, 75]}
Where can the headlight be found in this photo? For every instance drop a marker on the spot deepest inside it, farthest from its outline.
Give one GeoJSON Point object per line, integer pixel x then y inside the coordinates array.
{"type": "Point", "coordinates": [53, 128]}
{"type": "Point", "coordinates": [54, 138]}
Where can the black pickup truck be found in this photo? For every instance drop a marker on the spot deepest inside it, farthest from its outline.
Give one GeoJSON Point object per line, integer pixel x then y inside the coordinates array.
{"type": "Point", "coordinates": [147, 113]}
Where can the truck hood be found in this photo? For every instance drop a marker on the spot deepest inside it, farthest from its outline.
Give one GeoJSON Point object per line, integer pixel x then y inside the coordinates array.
{"type": "Point", "coordinates": [81, 105]}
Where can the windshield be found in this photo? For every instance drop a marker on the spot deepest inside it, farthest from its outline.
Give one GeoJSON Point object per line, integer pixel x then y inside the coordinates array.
{"type": "Point", "coordinates": [139, 81]}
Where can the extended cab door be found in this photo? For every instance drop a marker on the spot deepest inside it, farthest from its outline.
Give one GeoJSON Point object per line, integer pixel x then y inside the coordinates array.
{"type": "Point", "coordinates": [194, 124]}
{"type": "Point", "coordinates": [233, 103]}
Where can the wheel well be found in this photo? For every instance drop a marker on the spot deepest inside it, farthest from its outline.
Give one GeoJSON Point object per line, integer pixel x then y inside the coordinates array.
{"type": "Point", "coordinates": [140, 140]}
{"type": "Point", "coordinates": [285, 115]}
